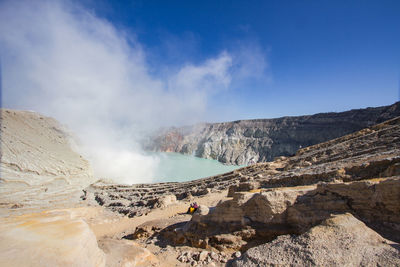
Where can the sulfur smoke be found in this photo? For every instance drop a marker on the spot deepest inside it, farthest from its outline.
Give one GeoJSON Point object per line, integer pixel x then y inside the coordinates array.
{"type": "Point", "coordinates": [64, 61]}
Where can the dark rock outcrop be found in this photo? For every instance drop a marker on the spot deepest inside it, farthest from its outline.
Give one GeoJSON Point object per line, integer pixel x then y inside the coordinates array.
{"type": "Point", "coordinates": [249, 141]}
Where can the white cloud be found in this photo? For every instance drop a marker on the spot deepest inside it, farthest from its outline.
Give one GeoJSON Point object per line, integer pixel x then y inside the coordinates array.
{"type": "Point", "coordinates": [63, 61]}
{"type": "Point", "coordinates": [250, 61]}
{"type": "Point", "coordinates": [205, 77]}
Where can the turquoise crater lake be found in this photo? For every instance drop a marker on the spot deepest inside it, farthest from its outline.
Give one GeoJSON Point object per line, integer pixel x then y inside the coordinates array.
{"type": "Point", "coordinates": [176, 167]}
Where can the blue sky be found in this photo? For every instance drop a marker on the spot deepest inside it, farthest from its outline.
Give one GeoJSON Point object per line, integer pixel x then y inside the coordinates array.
{"type": "Point", "coordinates": [321, 55]}
{"type": "Point", "coordinates": [112, 71]}
{"type": "Point", "coordinates": [271, 58]}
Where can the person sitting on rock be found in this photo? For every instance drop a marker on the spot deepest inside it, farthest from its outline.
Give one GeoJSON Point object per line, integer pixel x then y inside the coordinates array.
{"type": "Point", "coordinates": [190, 209]}
{"type": "Point", "coordinates": [193, 207]}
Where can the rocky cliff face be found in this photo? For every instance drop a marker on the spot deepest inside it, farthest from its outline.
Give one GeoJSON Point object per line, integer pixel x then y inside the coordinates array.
{"type": "Point", "coordinates": [250, 141]}
{"type": "Point", "coordinates": [39, 169]}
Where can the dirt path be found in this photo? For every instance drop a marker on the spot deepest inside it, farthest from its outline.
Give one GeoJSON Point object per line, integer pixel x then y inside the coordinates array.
{"type": "Point", "coordinates": [111, 227]}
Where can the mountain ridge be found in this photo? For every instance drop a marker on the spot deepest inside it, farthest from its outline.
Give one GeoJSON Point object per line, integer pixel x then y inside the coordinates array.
{"type": "Point", "coordinates": [259, 140]}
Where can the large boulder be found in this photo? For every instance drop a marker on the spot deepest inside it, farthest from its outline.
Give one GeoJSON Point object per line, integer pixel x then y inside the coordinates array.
{"type": "Point", "coordinates": [200, 212]}
{"type": "Point", "coordinates": [341, 240]}
{"type": "Point", "coordinates": [127, 253]}
{"type": "Point", "coordinates": [51, 238]}
{"type": "Point", "coordinates": [165, 201]}
{"type": "Point", "coordinates": [375, 201]}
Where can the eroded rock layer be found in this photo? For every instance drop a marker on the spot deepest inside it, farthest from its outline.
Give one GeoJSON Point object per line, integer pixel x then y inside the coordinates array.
{"type": "Point", "coordinates": [39, 169]}
{"type": "Point", "coordinates": [249, 141]}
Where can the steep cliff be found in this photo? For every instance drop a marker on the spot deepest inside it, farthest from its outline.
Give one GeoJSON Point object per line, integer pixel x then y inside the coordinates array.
{"type": "Point", "coordinates": [250, 141]}
{"type": "Point", "coordinates": [39, 168]}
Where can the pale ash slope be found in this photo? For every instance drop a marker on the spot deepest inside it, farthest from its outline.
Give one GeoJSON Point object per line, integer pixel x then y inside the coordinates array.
{"type": "Point", "coordinates": [250, 141]}
{"type": "Point", "coordinates": [39, 169]}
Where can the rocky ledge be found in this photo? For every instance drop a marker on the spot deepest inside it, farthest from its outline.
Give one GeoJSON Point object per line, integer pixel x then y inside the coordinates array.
{"type": "Point", "coordinates": [250, 141]}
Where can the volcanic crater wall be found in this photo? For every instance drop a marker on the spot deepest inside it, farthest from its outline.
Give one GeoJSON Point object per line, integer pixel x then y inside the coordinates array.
{"type": "Point", "coordinates": [249, 141]}
{"type": "Point", "coordinates": [39, 167]}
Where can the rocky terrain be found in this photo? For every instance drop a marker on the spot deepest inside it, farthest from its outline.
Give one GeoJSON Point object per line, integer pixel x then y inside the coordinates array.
{"type": "Point", "coordinates": [342, 195]}
{"type": "Point", "coordinates": [349, 234]}
{"type": "Point", "coordinates": [335, 203]}
{"type": "Point", "coordinates": [250, 141]}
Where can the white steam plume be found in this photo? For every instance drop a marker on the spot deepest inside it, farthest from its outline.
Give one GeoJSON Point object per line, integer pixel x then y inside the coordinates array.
{"type": "Point", "coordinates": [63, 61]}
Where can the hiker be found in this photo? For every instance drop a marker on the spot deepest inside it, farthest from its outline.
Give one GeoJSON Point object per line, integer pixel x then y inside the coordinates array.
{"type": "Point", "coordinates": [193, 207]}
{"type": "Point", "coordinates": [190, 209]}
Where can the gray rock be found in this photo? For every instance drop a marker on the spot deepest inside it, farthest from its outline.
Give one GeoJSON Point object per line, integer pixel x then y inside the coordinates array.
{"type": "Point", "coordinates": [339, 241]}
{"type": "Point", "coordinates": [201, 211]}
{"type": "Point", "coordinates": [214, 256]}
{"type": "Point", "coordinates": [182, 258]}
{"type": "Point", "coordinates": [188, 254]}
{"type": "Point", "coordinates": [203, 255]}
